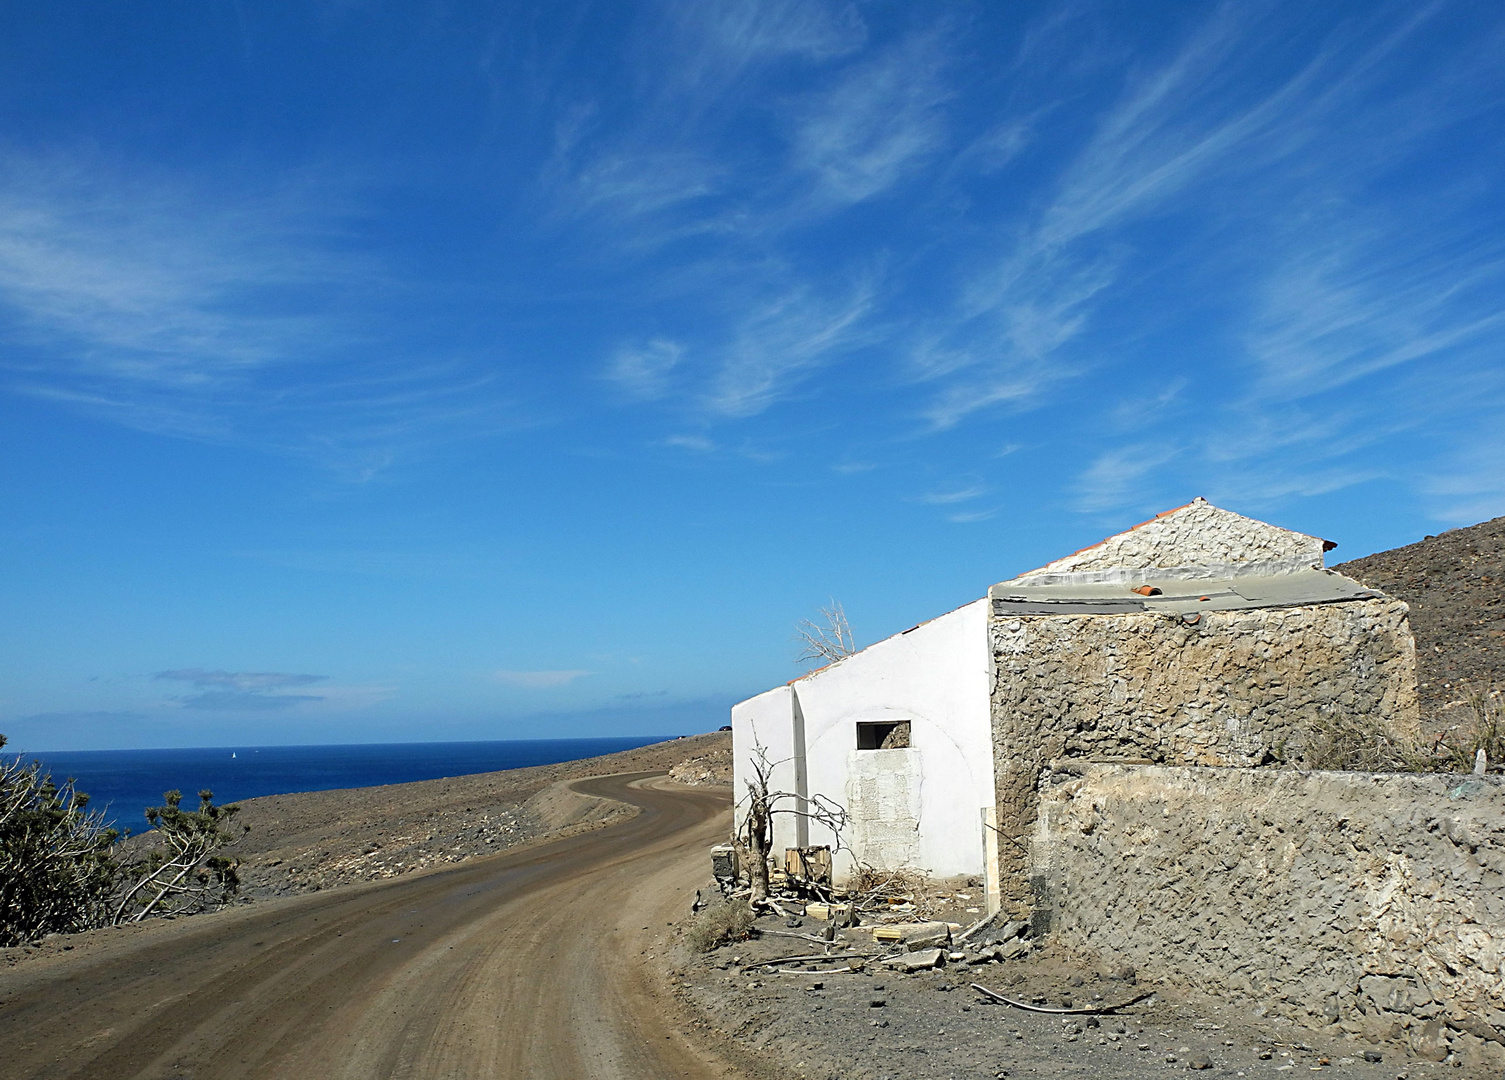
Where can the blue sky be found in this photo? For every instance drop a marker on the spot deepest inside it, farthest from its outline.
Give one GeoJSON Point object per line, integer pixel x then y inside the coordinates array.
{"type": "Point", "coordinates": [462, 370]}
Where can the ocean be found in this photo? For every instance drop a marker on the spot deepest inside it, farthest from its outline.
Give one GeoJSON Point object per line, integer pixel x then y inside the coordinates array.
{"type": "Point", "coordinates": [123, 783]}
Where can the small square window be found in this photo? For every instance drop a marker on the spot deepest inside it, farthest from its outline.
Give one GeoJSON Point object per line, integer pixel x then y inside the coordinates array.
{"type": "Point", "coordinates": [883, 736]}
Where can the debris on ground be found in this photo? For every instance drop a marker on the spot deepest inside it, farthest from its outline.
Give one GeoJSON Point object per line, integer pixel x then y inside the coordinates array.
{"type": "Point", "coordinates": [870, 994]}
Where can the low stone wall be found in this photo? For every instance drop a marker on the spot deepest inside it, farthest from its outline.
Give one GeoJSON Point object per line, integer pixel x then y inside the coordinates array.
{"type": "Point", "coordinates": [1374, 902]}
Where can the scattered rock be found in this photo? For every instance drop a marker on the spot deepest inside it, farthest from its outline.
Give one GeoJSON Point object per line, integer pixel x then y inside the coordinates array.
{"type": "Point", "coordinates": [1013, 950]}
{"type": "Point", "coordinates": [927, 936]}
{"type": "Point", "coordinates": [1431, 1043]}
{"type": "Point", "coordinates": [918, 961]}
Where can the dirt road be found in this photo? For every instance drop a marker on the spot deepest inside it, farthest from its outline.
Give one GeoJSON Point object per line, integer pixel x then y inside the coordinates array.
{"type": "Point", "coordinates": [529, 964]}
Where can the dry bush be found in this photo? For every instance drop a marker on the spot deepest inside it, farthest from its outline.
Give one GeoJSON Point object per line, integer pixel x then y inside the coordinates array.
{"type": "Point", "coordinates": [1346, 743]}
{"type": "Point", "coordinates": [723, 922]}
{"type": "Point", "coordinates": [1483, 729]}
{"type": "Point", "coordinates": [873, 891]}
{"type": "Point", "coordinates": [826, 641]}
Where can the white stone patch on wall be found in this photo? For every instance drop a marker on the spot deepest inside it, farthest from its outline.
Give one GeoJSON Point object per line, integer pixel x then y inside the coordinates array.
{"type": "Point", "coordinates": [883, 797]}
{"type": "Point", "coordinates": [1196, 538]}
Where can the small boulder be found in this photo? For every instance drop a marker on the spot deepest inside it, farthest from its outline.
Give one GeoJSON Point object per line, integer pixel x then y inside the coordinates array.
{"type": "Point", "coordinates": [1431, 1043]}
{"type": "Point", "coordinates": [918, 961]}
{"type": "Point", "coordinates": [926, 936]}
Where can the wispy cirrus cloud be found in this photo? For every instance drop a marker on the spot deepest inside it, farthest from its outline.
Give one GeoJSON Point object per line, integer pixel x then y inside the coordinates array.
{"type": "Point", "coordinates": [970, 517]}
{"type": "Point", "coordinates": [1108, 482]}
{"type": "Point", "coordinates": [879, 121]}
{"type": "Point", "coordinates": [953, 495]}
{"type": "Point", "coordinates": [1345, 307]}
{"type": "Point", "coordinates": [1196, 118]}
{"type": "Point", "coordinates": [540, 680]}
{"type": "Point", "coordinates": [242, 691]}
{"type": "Point", "coordinates": [776, 345]}
{"type": "Point", "coordinates": [645, 371]}
{"type": "Point", "coordinates": [721, 38]}
{"type": "Point", "coordinates": [781, 343]}
{"type": "Point", "coordinates": [191, 310]}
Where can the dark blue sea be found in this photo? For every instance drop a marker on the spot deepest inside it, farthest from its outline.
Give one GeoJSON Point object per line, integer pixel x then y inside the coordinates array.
{"type": "Point", "coordinates": [124, 782]}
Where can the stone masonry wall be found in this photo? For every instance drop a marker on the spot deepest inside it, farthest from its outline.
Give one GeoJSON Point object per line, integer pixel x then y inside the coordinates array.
{"type": "Point", "coordinates": [1372, 902]}
{"type": "Point", "coordinates": [1197, 535]}
{"type": "Point", "coordinates": [1238, 688]}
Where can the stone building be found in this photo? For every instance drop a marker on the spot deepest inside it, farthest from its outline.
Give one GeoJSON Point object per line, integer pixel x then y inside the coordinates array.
{"type": "Point", "coordinates": [1200, 637]}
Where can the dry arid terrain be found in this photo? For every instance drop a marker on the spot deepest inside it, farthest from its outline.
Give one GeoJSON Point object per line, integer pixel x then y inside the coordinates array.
{"type": "Point", "coordinates": [538, 962]}
{"type": "Point", "coordinates": [1454, 584]}
{"type": "Point", "coordinates": [320, 839]}
{"type": "Point", "coordinates": [533, 923]}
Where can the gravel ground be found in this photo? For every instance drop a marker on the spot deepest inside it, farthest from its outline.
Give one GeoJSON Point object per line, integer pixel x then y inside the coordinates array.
{"type": "Point", "coordinates": [878, 1024]}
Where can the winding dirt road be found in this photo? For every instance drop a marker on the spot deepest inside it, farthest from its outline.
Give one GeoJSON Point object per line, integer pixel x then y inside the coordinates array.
{"type": "Point", "coordinates": [530, 963]}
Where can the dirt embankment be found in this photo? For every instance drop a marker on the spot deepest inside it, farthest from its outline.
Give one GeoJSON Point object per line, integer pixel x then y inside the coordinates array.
{"type": "Point", "coordinates": [1455, 585]}
{"type": "Point", "coordinates": [712, 765]}
{"type": "Point", "coordinates": [319, 839]}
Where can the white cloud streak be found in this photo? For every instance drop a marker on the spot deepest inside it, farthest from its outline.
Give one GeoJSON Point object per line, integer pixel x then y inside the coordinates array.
{"type": "Point", "coordinates": [876, 125]}
{"type": "Point", "coordinates": [214, 317]}
{"type": "Point", "coordinates": [782, 343]}
{"type": "Point", "coordinates": [539, 680]}
{"type": "Point", "coordinates": [644, 371]}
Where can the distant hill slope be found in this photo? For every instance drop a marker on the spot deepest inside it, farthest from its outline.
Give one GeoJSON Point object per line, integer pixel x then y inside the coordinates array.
{"type": "Point", "coordinates": [1455, 585]}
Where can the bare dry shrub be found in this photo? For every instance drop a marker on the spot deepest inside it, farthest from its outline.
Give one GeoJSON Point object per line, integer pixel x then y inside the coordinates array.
{"type": "Point", "coordinates": [875, 891]}
{"type": "Point", "coordinates": [1482, 729]}
{"type": "Point", "coordinates": [1357, 744]}
{"type": "Point", "coordinates": [722, 922]}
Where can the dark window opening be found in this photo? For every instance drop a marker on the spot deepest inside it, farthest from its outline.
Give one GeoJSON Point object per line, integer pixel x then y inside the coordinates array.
{"type": "Point", "coordinates": [886, 736]}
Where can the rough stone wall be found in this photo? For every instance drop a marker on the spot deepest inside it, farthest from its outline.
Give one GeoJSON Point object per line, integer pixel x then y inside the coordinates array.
{"type": "Point", "coordinates": [1238, 688]}
{"type": "Point", "coordinates": [1373, 902]}
{"type": "Point", "coordinates": [1198, 535]}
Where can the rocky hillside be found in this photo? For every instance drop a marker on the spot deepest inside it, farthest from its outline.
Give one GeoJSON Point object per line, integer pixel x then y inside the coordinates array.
{"type": "Point", "coordinates": [1455, 584]}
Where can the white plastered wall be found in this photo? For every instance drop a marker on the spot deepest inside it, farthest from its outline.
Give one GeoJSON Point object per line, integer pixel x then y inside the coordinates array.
{"type": "Point", "coordinates": [936, 676]}
{"type": "Point", "coordinates": [767, 722]}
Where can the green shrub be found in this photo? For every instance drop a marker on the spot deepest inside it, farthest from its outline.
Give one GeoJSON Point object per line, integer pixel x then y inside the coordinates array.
{"type": "Point", "coordinates": [728, 920]}
{"type": "Point", "coordinates": [183, 873]}
{"type": "Point", "coordinates": [57, 868]}
{"type": "Point", "coordinates": [61, 869]}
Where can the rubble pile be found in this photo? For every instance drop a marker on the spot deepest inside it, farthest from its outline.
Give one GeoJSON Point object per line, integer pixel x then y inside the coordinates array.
{"type": "Point", "coordinates": [933, 998]}
{"type": "Point", "coordinates": [712, 767]}
{"type": "Point", "coordinates": [851, 981]}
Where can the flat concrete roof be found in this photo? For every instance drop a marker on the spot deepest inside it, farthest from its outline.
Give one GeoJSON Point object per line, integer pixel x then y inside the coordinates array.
{"type": "Point", "coordinates": [1179, 596]}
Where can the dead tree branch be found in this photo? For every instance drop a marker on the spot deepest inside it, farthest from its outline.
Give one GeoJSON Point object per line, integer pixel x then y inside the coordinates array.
{"type": "Point", "coordinates": [826, 641]}
{"type": "Point", "coordinates": [755, 835]}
